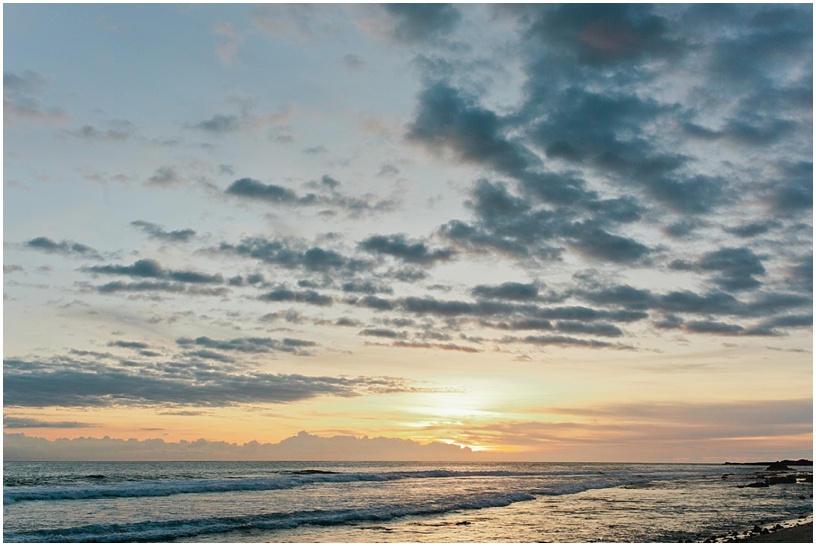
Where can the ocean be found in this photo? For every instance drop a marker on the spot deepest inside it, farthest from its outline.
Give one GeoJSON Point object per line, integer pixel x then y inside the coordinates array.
{"type": "Point", "coordinates": [388, 502]}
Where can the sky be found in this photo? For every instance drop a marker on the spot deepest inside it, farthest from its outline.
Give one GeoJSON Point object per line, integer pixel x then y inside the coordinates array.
{"type": "Point", "coordinates": [490, 232]}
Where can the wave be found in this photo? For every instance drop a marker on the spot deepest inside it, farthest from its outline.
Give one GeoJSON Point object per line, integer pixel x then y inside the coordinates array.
{"type": "Point", "coordinates": [167, 530]}
{"type": "Point", "coordinates": [291, 480]}
{"type": "Point", "coordinates": [167, 488]}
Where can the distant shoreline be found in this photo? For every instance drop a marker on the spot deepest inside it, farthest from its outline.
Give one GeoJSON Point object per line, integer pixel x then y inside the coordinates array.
{"type": "Point", "coordinates": [788, 462]}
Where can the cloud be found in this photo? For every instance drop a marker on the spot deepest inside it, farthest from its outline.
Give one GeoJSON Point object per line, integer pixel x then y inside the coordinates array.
{"type": "Point", "coordinates": [354, 207]}
{"type": "Point", "coordinates": [794, 192]}
{"type": "Point", "coordinates": [293, 254]}
{"type": "Point", "coordinates": [416, 23]}
{"type": "Point", "coordinates": [68, 383]}
{"type": "Point", "coordinates": [157, 232]}
{"type": "Point", "coordinates": [118, 130]}
{"type": "Point", "coordinates": [400, 247]}
{"type": "Point", "coordinates": [165, 177]}
{"type": "Point", "coordinates": [737, 416]}
{"type": "Point", "coordinates": [220, 123]}
{"type": "Point", "coordinates": [752, 229]}
{"type": "Point", "coordinates": [303, 296]}
{"type": "Point", "coordinates": [565, 341]}
{"type": "Point", "coordinates": [250, 344]}
{"type": "Point", "coordinates": [736, 267]}
{"type": "Point", "coordinates": [147, 268]}
{"type": "Point", "coordinates": [508, 290]}
{"type": "Point", "coordinates": [66, 248]}
{"type": "Point", "coordinates": [302, 447]}
{"type": "Point", "coordinates": [445, 119]}
{"type": "Point", "coordinates": [366, 287]}
{"type": "Point", "coordinates": [162, 286]}
{"type": "Point", "coordinates": [603, 35]}
{"type": "Point", "coordinates": [21, 99]}
{"type": "Point", "coordinates": [353, 62]}
{"type": "Point", "coordinates": [247, 119]}
{"type": "Point", "coordinates": [27, 422]}
{"type": "Point", "coordinates": [129, 344]}
{"type": "Point", "coordinates": [253, 189]}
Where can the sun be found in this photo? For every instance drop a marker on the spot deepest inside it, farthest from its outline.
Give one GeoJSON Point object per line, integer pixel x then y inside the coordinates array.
{"type": "Point", "coordinates": [454, 406]}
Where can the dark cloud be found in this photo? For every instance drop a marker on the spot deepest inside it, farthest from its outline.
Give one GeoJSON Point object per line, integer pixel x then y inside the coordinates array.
{"type": "Point", "coordinates": [157, 232]}
{"type": "Point", "coordinates": [415, 23]}
{"type": "Point", "coordinates": [381, 332]}
{"type": "Point", "coordinates": [118, 286]}
{"type": "Point", "coordinates": [66, 248]}
{"type": "Point", "coordinates": [752, 229]}
{"type": "Point", "coordinates": [794, 192]}
{"type": "Point", "coordinates": [603, 34]}
{"type": "Point", "coordinates": [353, 62]}
{"type": "Point", "coordinates": [508, 290]}
{"type": "Point", "coordinates": [736, 267]}
{"type": "Point", "coordinates": [304, 296]}
{"type": "Point", "coordinates": [84, 384]}
{"type": "Point", "coordinates": [508, 224]}
{"type": "Point", "coordinates": [165, 176]}
{"type": "Point", "coordinates": [249, 344]}
{"type": "Point", "coordinates": [293, 254]}
{"type": "Point", "coordinates": [129, 344]}
{"type": "Point", "coordinates": [409, 251]}
{"type": "Point", "coordinates": [565, 341]}
{"type": "Point", "coordinates": [354, 207]}
{"type": "Point", "coordinates": [622, 295]}
{"type": "Point", "coordinates": [253, 189]}
{"type": "Point", "coordinates": [801, 275]}
{"type": "Point", "coordinates": [373, 302]}
{"type": "Point", "coordinates": [209, 355]}
{"type": "Point", "coordinates": [366, 287]}
{"type": "Point", "coordinates": [597, 243]}
{"type": "Point", "coordinates": [447, 120]}
{"type": "Point", "coordinates": [592, 328]}
{"type": "Point", "coordinates": [316, 150]}
{"type": "Point", "coordinates": [152, 269]}
{"type": "Point", "coordinates": [26, 422]}
{"type": "Point", "coordinates": [220, 124]}
{"type": "Point", "coordinates": [712, 327]}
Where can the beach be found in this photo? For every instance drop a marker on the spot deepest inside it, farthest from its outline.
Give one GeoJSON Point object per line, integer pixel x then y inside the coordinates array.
{"type": "Point", "coordinates": [391, 502]}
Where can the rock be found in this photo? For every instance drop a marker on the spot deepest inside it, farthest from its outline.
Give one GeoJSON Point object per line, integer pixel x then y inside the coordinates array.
{"type": "Point", "coordinates": [773, 480]}
{"type": "Point", "coordinates": [778, 465]}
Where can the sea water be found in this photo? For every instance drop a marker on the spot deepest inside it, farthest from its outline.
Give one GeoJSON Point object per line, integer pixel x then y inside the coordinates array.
{"type": "Point", "coordinates": [388, 502]}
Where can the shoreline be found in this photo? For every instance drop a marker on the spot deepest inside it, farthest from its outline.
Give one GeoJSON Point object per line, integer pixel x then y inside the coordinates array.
{"type": "Point", "coordinates": [801, 533]}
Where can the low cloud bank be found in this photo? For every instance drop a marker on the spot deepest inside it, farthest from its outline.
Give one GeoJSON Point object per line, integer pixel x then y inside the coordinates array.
{"type": "Point", "coordinates": [302, 447]}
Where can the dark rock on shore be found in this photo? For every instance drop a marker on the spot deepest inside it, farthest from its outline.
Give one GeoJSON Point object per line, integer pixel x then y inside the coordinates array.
{"type": "Point", "coordinates": [773, 480]}
{"type": "Point", "coordinates": [767, 481]}
{"type": "Point", "coordinates": [779, 465]}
